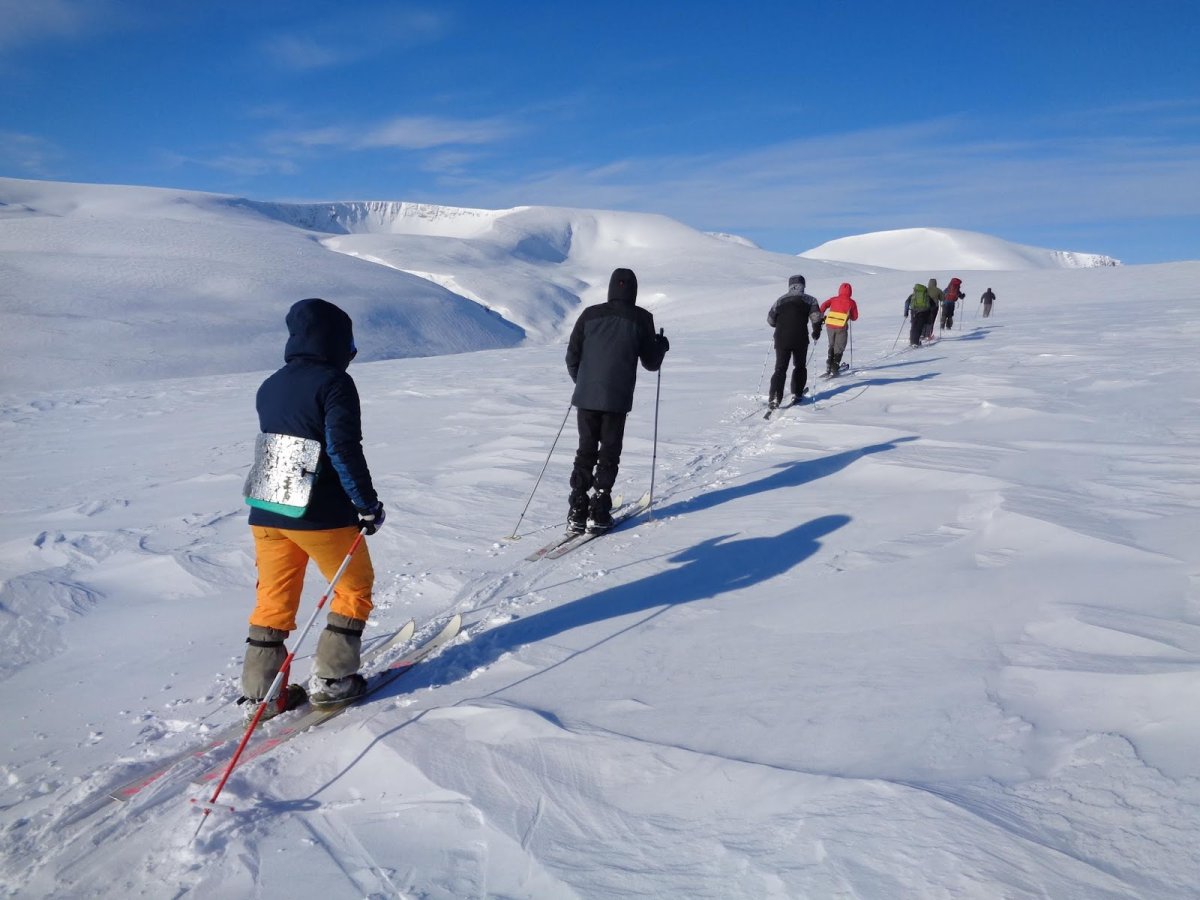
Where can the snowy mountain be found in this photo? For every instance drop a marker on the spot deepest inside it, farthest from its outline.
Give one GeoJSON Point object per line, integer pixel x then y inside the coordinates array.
{"type": "Point", "coordinates": [943, 249]}
{"type": "Point", "coordinates": [111, 283]}
{"type": "Point", "coordinates": [934, 634]}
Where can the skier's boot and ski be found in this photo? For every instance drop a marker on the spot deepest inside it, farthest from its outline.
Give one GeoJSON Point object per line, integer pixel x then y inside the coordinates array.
{"type": "Point", "coordinates": [577, 513]}
{"type": "Point", "coordinates": [264, 657]}
{"type": "Point", "coordinates": [600, 512]}
{"type": "Point", "coordinates": [335, 678]}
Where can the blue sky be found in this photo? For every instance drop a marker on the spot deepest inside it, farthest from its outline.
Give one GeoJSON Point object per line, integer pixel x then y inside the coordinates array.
{"type": "Point", "coordinates": [1068, 125]}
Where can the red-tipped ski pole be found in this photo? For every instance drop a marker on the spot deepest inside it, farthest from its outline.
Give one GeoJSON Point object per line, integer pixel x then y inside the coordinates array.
{"type": "Point", "coordinates": [278, 682]}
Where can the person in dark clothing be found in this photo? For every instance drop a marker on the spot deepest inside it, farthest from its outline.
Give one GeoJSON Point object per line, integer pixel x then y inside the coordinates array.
{"type": "Point", "coordinates": [792, 316]}
{"type": "Point", "coordinates": [312, 399]}
{"type": "Point", "coordinates": [953, 294]}
{"type": "Point", "coordinates": [606, 344]}
{"type": "Point", "coordinates": [935, 297]}
{"type": "Point", "coordinates": [987, 299]}
{"type": "Point", "coordinates": [923, 311]}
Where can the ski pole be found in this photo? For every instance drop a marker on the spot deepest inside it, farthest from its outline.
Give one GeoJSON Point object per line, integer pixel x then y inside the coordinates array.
{"type": "Point", "coordinates": [514, 536]}
{"type": "Point", "coordinates": [898, 333]}
{"type": "Point", "coordinates": [279, 678]}
{"type": "Point", "coordinates": [654, 452]}
{"type": "Point", "coordinates": [850, 337]}
{"type": "Point", "coordinates": [763, 373]}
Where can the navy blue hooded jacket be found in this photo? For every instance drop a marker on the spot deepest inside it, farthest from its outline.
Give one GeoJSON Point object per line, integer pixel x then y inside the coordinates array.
{"type": "Point", "coordinates": [606, 344]}
{"type": "Point", "coordinates": [314, 397]}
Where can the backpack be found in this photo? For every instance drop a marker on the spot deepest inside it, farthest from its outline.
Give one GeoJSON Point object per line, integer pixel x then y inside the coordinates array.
{"type": "Point", "coordinates": [920, 298]}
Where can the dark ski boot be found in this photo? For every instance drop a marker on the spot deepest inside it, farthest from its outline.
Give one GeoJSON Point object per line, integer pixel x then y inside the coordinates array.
{"type": "Point", "coordinates": [600, 512]}
{"type": "Point", "coordinates": [577, 515]}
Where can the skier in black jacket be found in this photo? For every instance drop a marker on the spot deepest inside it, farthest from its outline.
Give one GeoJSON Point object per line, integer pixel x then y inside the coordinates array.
{"type": "Point", "coordinates": [792, 315]}
{"type": "Point", "coordinates": [606, 344]}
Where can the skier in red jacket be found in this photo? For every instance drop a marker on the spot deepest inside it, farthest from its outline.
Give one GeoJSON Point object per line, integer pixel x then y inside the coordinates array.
{"type": "Point", "coordinates": [954, 293]}
{"type": "Point", "coordinates": [839, 312]}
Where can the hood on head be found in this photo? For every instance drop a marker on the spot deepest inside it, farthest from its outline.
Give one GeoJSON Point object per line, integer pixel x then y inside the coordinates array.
{"type": "Point", "coordinates": [932, 282]}
{"type": "Point", "coordinates": [845, 290]}
{"type": "Point", "coordinates": [622, 286]}
{"type": "Point", "coordinates": [319, 331]}
{"type": "Point", "coordinates": [796, 281]}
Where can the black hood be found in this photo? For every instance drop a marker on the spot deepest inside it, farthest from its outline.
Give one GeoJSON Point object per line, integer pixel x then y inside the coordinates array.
{"type": "Point", "coordinates": [622, 287]}
{"type": "Point", "coordinates": [319, 331]}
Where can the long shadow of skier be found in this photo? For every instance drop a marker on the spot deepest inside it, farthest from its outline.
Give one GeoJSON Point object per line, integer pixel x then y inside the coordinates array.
{"type": "Point", "coordinates": [790, 475]}
{"type": "Point", "coordinates": [978, 333]}
{"type": "Point", "coordinates": [709, 569]}
{"type": "Point", "coordinates": [863, 384]}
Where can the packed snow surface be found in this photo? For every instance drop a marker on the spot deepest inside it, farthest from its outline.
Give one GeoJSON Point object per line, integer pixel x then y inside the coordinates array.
{"type": "Point", "coordinates": [934, 634]}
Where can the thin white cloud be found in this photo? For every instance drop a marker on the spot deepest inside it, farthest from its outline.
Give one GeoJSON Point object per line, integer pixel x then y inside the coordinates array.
{"type": "Point", "coordinates": [247, 166]}
{"type": "Point", "coordinates": [351, 36]}
{"type": "Point", "coordinates": [28, 154]}
{"type": "Point", "coordinates": [399, 133]}
{"type": "Point", "coordinates": [24, 22]}
{"type": "Point", "coordinates": [934, 171]}
{"type": "Point", "coordinates": [424, 132]}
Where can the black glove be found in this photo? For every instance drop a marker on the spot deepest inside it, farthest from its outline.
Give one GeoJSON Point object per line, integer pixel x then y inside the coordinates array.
{"type": "Point", "coordinates": [816, 333]}
{"type": "Point", "coordinates": [371, 519]}
{"type": "Point", "coordinates": [906, 314]}
{"type": "Point", "coordinates": [663, 342]}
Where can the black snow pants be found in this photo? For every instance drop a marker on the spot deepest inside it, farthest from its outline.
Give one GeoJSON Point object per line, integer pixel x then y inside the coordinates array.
{"type": "Point", "coordinates": [783, 357]}
{"type": "Point", "coordinates": [601, 435]}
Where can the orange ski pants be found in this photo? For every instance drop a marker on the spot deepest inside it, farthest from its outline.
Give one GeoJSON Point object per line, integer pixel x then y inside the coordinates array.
{"type": "Point", "coordinates": [282, 557]}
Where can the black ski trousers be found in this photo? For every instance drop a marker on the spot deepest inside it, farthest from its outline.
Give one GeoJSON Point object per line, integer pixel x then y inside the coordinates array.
{"type": "Point", "coordinates": [799, 371]}
{"type": "Point", "coordinates": [920, 320]}
{"type": "Point", "coordinates": [601, 435]}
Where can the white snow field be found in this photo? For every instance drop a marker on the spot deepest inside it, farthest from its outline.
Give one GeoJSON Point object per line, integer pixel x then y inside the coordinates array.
{"type": "Point", "coordinates": [936, 634]}
{"type": "Point", "coordinates": [949, 248]}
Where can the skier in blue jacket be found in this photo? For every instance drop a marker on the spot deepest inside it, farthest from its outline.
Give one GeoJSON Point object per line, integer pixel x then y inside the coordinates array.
{"type": "Point", "coordinates": [313, 397]}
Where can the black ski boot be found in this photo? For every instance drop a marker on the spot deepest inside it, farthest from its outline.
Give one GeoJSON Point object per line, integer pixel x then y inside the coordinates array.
{"type": "Point", "coordinates": [577, 515]}
{"type": "Point", "coordinates": [600, 512]}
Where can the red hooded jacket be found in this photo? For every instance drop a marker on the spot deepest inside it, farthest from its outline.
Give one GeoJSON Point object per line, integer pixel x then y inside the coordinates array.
{"type": "Point", "coordinates": [842, 303]}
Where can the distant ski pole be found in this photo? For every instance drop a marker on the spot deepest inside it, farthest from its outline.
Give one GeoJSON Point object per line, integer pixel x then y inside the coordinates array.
{"type": "Point", "coordinates": [898, 333]}
{"type": "Point", "coordinates": [514, 536]}
{"type": "Point", "coordinates": [278, 682]}
{"type": "Point", "coordinates": [654, 451]}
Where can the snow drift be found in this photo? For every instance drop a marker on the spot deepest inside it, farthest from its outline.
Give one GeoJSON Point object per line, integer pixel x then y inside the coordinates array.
{"type": "Point", "coordinates": [943, 249]}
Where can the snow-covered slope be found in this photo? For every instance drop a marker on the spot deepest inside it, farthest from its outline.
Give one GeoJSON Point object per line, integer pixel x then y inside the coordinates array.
{"type": "Point", "coordinates": [942, 249]}
{"type": "Point", "coordinates": [109, 283]}
{"type": "Point", "coordinates": [936, 634]}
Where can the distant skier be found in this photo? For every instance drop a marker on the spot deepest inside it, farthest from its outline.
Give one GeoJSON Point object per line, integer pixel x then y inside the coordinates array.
{"type": "Point", "coordinates": [954, 293]}
{"type": "Point", "coordinates": [312, 402]}
{"type": "Point", "coordinates": [606, 344]}
{"type": "Point", "coordinates": [987, 300]}
{"type": "Point", "coordinates": [792, 315]}
{"type": "Point", "coordinates": [935, 297]}
{"type": "Point", "coordinates": [839, 312]}
{"type": "Point", "coordinates": [922, 311]}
